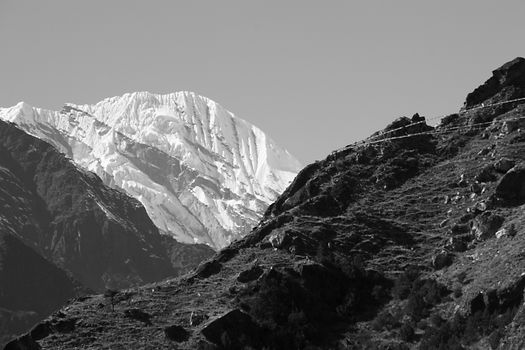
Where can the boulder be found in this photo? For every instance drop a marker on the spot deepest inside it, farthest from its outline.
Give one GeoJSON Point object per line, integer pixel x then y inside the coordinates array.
{"type": "Point", "coordinates": [208, 268]}
{"type": "Point", "coordinates": [251, 274]}
{"type": "Point", "coordinates": [233, 330]}
{"type": "Point", "coordinates": [280, 239]}
{"type": "Point", "coordinates": [23, 343]}
{"type": "Point", "coordinates": [442, 259]}
{"type": "Point", "coordinates": [456, 244]}
{"type": "Point", "coordinates": [511, 187]}
{"type": "Point", "coordinates": [196, 318]}
{"type": "Point", "coordinates": [509, 126]}
{"type": "Point", "coordinates": [485, 225]}
{"type": "Point", "coordinates": [503, 165]}
{"type": "Point", "coordinates": [138, 314]}
{"type": "Point", "coordinates": [502, 233]}
{"type": "Point", "coordinates": [65, 326]}
{"type": "Point", "coordinates": [486, 174]}
{"type": "Point", "coordinates": [480, 207]}
{"type": "Point", "coordinates": [458, 229]}
{"type": "Point", "coordinates": [476, 188]}
{"type": "Point", "coordinates": [40, 331]}
{"type": "Point", "coordinates": [176, 333]}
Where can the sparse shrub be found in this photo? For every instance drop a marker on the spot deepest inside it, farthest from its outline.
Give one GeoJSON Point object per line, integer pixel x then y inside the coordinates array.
{"type": "Point", "coordinates": [416, 307]}
{"type": "Point", "coordinates": [512, 230]}
{"type": "Point", "coordinates": [110, 295]}
{"type": "Point", "coordinates": [461, 277]}
{"type": "Point", "coordinates": [423, 296]}
{"type": "Point", "coordinates": [384, 321]}
{"type": "Point", "coordinates": [441, 338]}
{"type": "Point", "coordinates": [297, 318]}
{"type": "Point", "coordinates": [403, 284]}
{"type": "Point", "coordinates": [406, 332]}
{"type": "Point", "coordinates": [435, 320]}
{"type": "Point", "coordinates": [422, 324]}
{"type": "Point", "coordinates": [494, 338]}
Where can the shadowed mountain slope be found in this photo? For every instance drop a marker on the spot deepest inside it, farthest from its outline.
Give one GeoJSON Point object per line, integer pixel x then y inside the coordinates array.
{"type": "Point", "coordinates": [30, 286]}
{"type": "Point", "coordinates": [412, 240]}
{"type": "Point", "coordinates": [53, 212]}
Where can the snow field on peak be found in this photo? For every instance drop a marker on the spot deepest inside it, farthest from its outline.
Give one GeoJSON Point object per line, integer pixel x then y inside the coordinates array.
{"type": "Point", "coordinates": [203, 174]}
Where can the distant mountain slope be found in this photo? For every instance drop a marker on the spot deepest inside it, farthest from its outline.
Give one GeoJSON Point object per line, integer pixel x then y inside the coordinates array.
{"type": "Point", "coordinates": [412, 240]}
{"type": "Point", "coordinates": [203, 175]}
{"type": "Point", "coordinates": [102, 236]}
{"type": "Point", "coordinates": [30, 286]}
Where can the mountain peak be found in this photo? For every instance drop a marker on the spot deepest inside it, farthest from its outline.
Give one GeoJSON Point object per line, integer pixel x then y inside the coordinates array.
{"type": "Point", "coordinates": [506, 83]}
{"type": "Point", "coordinates": [203, 174]}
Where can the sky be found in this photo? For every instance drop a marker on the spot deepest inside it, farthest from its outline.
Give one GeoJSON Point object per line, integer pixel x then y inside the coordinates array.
{"type": "Point", "coordinates": [314, 75]}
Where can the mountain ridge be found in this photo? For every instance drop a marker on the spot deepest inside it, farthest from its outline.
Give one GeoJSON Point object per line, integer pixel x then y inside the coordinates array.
{"type": "Point", "coordinates": [204, 143]}
{"type": "Point", "coordinates": [415, 242]}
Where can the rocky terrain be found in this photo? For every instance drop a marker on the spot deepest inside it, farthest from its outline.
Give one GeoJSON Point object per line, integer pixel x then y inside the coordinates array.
{"type": "Point", "coordinates": [203, 174]}
{"type": "Point", "coordinates": [413, 239]}
{"type": "Point", "coordinates": [59, 223]}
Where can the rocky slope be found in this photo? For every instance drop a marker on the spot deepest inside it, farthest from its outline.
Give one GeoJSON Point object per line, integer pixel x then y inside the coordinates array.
{"type": "Point", "coordinates": [203, 175]}
{"type": "Point", "coordinates": [411, 240]}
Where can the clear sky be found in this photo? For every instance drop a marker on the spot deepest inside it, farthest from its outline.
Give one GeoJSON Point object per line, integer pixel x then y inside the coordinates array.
{"type": "Point", "coordinates": [314, 75]}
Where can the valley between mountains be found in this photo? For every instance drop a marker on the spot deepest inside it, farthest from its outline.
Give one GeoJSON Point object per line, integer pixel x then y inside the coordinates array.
{"type": "Point", "coordinates": [412, 239]}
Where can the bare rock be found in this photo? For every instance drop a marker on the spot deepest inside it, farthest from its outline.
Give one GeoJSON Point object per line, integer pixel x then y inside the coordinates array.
{"type": "Point", "coordinates": [509, 126]}
{"type": "Point", "coordinates": [176, 333]}
{"type": "Point", "coordinates": [233, 330]}
{"type": "Point", "coordinates": [503, 165]}
{"type": "Point", "coordinates": [476, 188]}
{"type": "Point", "coordinates": [280, 239]}
{"type": "Point", "coordinates": [442, 259]}
{"type": "Point", "coordinates": [196, 318]}
{"type": "Point", "coordinates": [138, 314]}
{"type": "Point", "coordinates": [487, 174]}
{"type": "Point", "coordinates": [458, 229]}
{"type": "Point", "coordinates": [251, 274]}
{"type": "Point", "coordinates": [208, 268]}
{"type": "Point", "coordinates": [40, 331]}
{"type": "Point", "coordinates": [486, 225]}
{"type": "Point", "coordinates": [511, 187]}
{"type": "Point", "coordinates": [456, 244]}
{"type": "Point", "coordinates": [502, 233]}
{"type": "Point", "coordinates": [23, 343]}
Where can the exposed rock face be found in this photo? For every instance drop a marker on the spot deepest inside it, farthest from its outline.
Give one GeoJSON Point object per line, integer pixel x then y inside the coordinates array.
{"type": "Point", "coordinates": [347, 252]}
{"type": "Point", "coordinates": [203, 175]}
{"type": "Point", "coordinates": [486, 225]}
{"type": "Point", "coordinates": [233, 330]}
{"type": "Point", "coordinates": [176, 333]}
{"type": "Point", "coordinates": [251, 274]}
{"type": "Point", "coordinates": [507, 82]}
{"type": "Point", "coordinates": [511, 186]}
{"type": "Point", "coordinates": [442, 259]}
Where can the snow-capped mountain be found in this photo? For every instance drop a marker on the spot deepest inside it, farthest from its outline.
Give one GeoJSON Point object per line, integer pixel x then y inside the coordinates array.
{"type": "Point", "coordinates": [203, 174]}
